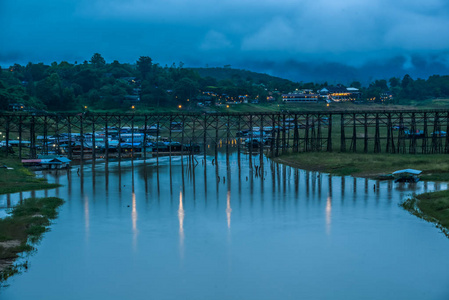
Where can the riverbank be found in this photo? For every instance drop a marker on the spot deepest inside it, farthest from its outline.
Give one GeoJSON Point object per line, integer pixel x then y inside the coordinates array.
{"type": "Point", "coordinates": [435, 167]}
{"type": "Point", "coordinates": [16, 178]}
{"type": "Point", "coordinates": [25, 226]}
{"type": "Point", "coordinates": [432, 207]}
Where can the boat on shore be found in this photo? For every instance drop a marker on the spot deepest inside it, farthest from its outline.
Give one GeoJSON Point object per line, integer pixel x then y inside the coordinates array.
{"type": "Point", "coordinates": [407, 175]}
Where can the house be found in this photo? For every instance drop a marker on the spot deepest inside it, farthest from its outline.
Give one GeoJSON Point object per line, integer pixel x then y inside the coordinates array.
{"type": "Point", "coordinates": [16, 106]}
{"type": "Point", "coordinates": [386, 96]}
{"type": "Point", "coordinates": [48, 163]}
{"type": "Point", "coordinates": [340, 93]}
{"type": "Point", "coordinates": [300, 97]}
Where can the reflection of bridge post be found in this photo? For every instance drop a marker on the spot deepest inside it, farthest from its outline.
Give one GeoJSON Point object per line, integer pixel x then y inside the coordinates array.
{"type": "Point", "coordinates": [296, 170]}
{"type": "Point", "coordinates": [307, 184]}
{"type": "Point", "coordinates": [205, 181]}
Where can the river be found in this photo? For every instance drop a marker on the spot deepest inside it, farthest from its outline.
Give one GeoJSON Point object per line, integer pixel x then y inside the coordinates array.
{"type": "Point", "coordinates": [135, 230]}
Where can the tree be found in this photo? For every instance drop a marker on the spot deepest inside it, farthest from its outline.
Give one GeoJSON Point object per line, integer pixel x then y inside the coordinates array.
{"type": "Point", "coordinates": [97, 60]}
{"type": "Point", "coordinates": [356, 84]}
{"type": "Point", "coordinates": [407, 81]}
{"type": "Point", "coordinates": [394, 82]}
{"type": "Point", "coordinates": [144, 65]}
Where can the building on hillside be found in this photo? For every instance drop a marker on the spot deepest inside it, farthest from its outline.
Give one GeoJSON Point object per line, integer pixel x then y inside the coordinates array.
{"type": "Point", "coordinates": [340, 93]}
{"type": "Point", "coordinates": [299, 97]}
{"type": "Point", "coordinates": [386, 96]}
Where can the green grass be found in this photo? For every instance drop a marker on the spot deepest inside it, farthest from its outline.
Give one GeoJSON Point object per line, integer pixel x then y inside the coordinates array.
{"type": "Point", "coordinates": [19, 179]}
{"type": "Point", "coordinates": [435, 205]}
{"type": "Point", "coordinates": [26, 224]}
{"type": "Point", "coordinates": [432, 207]}
{"type": "Point", "coordinates": [435, 167]}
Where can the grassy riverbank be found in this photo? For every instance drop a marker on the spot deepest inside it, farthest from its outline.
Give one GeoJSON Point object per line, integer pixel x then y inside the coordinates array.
{"type": "Point", "coordinates": [25, 226]}
{"type": "Point", "coordinates": [19, 179]}
{"type": "Point", "coordinates": [432, 207]}
{"type": "Point", "coordinates": [435, 167]}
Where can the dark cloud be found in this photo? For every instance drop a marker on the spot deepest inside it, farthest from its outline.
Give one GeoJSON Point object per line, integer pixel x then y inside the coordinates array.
{"type": "Point", "coordinates": [351, 34]}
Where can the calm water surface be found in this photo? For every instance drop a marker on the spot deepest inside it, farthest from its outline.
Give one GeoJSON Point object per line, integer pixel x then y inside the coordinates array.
{"type": "Point", "coordinates": [127, 231]}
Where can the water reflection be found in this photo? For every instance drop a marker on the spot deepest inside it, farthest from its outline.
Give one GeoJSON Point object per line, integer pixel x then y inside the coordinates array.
{"type": "Point", "coordinates": [86, 216]}
{"type": "Point", "coordinates": [228, 208]}
{"type": "Point", "coordinates": [328, 214]}
{"type": "Point", "coordinates": [134, 219]}
{"type": "Point", "coordinates": [304, 226]}
{"type": "Point", "coordinates": [181, 224]}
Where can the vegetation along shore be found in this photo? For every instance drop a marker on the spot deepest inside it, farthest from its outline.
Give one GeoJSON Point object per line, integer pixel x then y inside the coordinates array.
{"type": "Point", "coordinates": [16, 178]}
{"type": "Point", "coordinates": [24, 227]}
{"type": "Point", "coordinates": [28, 220]}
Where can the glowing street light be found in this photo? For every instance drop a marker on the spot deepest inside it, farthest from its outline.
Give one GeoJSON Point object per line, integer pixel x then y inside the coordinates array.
{"type": "Point", "coordinates": [132, 107]}
{"type": "Point", "coordinates": [179, 106]}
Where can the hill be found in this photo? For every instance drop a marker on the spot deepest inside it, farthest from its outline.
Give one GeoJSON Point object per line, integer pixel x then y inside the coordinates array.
{"type": "Point", "coordinates": [238, 74]}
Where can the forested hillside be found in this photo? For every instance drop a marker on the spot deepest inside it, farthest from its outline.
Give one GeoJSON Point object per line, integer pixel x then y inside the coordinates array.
{"type": "Point", "coordinates": [96, 84]}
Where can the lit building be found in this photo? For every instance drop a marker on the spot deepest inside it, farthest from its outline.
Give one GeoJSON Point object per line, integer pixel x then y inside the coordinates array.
{"type": "Point", "coordinates": [300, 97]}
{"type": "Point", "coordinates": [340, 93]}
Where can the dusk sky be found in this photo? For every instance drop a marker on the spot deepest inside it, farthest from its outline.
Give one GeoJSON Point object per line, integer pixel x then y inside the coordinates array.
{"type": "Point", "coordinates": [300, 40]}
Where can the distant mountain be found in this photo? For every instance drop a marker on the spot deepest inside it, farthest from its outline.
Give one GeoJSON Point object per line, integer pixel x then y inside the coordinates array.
{"type": "Point", "coordinates": [235, 74]}
{"type": "Point", "coordinates": [339, 72]}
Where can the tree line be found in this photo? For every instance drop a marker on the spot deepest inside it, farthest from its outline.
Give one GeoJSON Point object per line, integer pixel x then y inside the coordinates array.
{"type": "Point", "coordinates": [100, 85]}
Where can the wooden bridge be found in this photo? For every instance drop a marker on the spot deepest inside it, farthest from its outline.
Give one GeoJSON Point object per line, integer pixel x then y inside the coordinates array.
{"type": "Point", "coordinates": [388, 131]}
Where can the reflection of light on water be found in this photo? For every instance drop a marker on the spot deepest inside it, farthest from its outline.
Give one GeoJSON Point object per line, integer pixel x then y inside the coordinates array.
{"type": "Point", "coordinates": [134, 220]}
{"type": "Point", "coordinates": [86, 215]}
{"type": "Point", "coordinates": [181, 223]}
{"type": "Point", "coordinates": [328, 214]}
{"type": "Point", "coordinates": [228, 209]}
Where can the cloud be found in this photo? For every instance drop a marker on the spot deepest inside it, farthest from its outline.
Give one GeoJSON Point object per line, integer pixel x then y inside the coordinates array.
{"type": "Point", "coordinates": [348, 32]}
{"type": "Point", "coordinates": [215, 40]}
